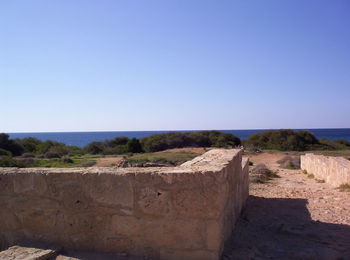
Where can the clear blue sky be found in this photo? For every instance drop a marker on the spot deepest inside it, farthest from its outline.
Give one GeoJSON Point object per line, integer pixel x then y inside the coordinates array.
{"type": "Point", "coordinates": [177, 64]}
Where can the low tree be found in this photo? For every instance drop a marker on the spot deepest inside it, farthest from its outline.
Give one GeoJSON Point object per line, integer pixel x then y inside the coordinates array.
{"type": "Point", "coordinates": [10, 145]}
{"type": "Point", "coordinates": [134, 146]}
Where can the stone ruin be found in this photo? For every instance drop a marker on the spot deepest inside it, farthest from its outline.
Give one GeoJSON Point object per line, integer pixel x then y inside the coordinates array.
{"type": "Point", "coordinates": [183, 212]}
{"type": "Point", "coordinates": [332, 170]}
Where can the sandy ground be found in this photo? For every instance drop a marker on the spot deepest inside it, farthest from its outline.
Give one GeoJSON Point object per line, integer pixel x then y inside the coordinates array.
{"type": "Point", "coordinates": [108, 161]}
{"type": "Point", "coordinates": [292, 217]}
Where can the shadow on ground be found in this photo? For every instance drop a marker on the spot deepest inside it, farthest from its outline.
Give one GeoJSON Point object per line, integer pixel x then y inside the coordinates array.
{"type": "Point", "coordinates": [276, 228]}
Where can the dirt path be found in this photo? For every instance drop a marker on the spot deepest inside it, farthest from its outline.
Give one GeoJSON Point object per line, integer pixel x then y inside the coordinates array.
{"type": "Point", "coordinates": [108, 161]}
{"type": "Point", "coordinates": [292, 217]}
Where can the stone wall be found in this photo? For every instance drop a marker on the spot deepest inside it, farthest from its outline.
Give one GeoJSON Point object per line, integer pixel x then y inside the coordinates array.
{"type": "Point", "coordinates": [184, 212]}
{"type": "Point", "coordinates": [333, 170]}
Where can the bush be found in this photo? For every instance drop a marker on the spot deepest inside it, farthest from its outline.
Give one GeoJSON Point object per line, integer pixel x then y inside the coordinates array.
{"type": "Point", "coordinates": [340, 144]}
{"type": "Point", "coordinates": [10, 145]}
{"type": "Point", "coordinates": [66, 160]}
{"type": "Point", "coordinates": [7, 161]}
{"type": "Point", "coordinates": [159, 142]}
{"type": "Point", "coordinates": [134, 146]}
{"type": "Point", "coordinates": [118, 145]}
{"type": "Point", "coordinates": [260, 174]}
{"type": "Point", "coordinates": [28, 155]}
{"type": "Point", "coordinates": [29, 144]}
{"type": "Point", "coordinates": [344, 187]}
{"type": "Point", "coordinates": [94, 148]}
{"type": "Point", "coordinates": [117, 141]}
{"type": "Point", "coordinates": [27, 162]}
{"type": "Point", "coordinates": [290, 162]}
{"type": "Point", "coordinates": [5, 152]}
{"type": "Point", "coordinates": [283, 140]}
{"type": "Point", "coordinates": [50, 155]}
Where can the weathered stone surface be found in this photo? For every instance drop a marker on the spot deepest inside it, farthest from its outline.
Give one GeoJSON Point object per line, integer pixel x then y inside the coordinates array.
{"type": "Point", "coordinates": [215, 235]}
{"type": "Point", "coordinates": [333, 170]}
{"type": "Point", "coordinates": [202, 202]}
{"type": "Point", "coordinates": [38, 221]}
{"type": "Point", "coordinates": [167, 254]}
{"type": "Point", "coordinates": [27, 253]}
{"type": "Point", "coordinates": [6, 183]}
{"type": "Point", "coordinates": [9, 221]}
{"type": "Point", "coordinates": [126, 226]}
{"type": "Point", "coordinates": [154, 201]}
{"type": "Point", "coordinates": [30, 183]}
{"type": "Point", "coordinates": [183, 212]}
{"type": "Point", "coordinates": [111, 189]}
{"type": "Point", "coordinates": [176, 234]}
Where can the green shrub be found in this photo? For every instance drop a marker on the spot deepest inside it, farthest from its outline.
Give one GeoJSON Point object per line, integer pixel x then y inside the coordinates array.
{"type": "Point", "coordinates": [344, 187]}
{"type": "Point", "coordinates": [159, 142]}
{"type": "Point", "coordinates": [10, 145]}
{"type": "Point", "coordinates": [119, 149]}
{"type": "Point", "coordinates": [27, 155]}
{"type": "Point", "coordinates": [340, 144]}
{"type": "Point", "coordinates": [29, 144]}
{"type": "Point", "coordinates": [134, 146]}
{"type": "Point", "coordinates": [94, 148]}
{"type": "Point", "coordinates": [5, 152]}
{"type": "Point", "coordinates": [261, 174]}
{"type": "Point", "coordinates": [118, 145]}
{"type": "Point", "coordinates": [290, 162]}
{"type": "Point", "coordinates": [50, 155]}
{"type": "Point", "coordinates": [66, 160]}
{"type": "Point", "coordinates": [7, 161]}
{"type": "Point", "coordinates": [283, 140]}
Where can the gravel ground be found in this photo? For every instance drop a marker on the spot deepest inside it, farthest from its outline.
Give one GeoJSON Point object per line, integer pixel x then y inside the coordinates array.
{"type": "Point", "coordinates": [291, 217]}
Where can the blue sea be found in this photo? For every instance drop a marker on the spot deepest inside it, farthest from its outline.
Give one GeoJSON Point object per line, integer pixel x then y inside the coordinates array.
{"type": "Point", "coordinates": [83, 138]}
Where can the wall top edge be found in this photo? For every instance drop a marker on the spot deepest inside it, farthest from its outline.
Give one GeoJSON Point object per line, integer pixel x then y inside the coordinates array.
{"type": "Point", "coordinates": [338, 159]}
{"type": "Point", "coordinates": [212, 161]}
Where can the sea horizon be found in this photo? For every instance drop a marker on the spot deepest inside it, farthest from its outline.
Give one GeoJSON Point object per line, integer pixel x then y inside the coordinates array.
{"type": "Point", "coordinates": [82, 138]}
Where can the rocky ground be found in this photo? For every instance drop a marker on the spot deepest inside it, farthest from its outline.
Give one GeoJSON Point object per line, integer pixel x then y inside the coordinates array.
{"type": "Point", "coordinates": [291, 217]}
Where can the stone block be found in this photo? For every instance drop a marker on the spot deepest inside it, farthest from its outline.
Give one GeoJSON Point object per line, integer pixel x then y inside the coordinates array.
{"type": "Point", "coordinates": [203, 202]}
{"type": "Point", "coordinates": [183, 234]}
{"type": "Point", "coordinates": [9, 221]}
{"type": "Point", "coordinates": [6, 184]}
{"type": "Point", "coordinates": [110, 189]}
{"type": "Point", "coordinates": [27, 253]}
{"type": "Point", "coordinates": [126, 226]}
{"type": "Point", "coordinates": [168, 254]}
{"type": "Point", "coordinates": [183, 212]}
{"type": "Point", "coordinates": [215, 234]}
{"type": "Point", "coordinates": [333, 170]}
{"type": "Point", "coordinates": [152, 201]}
{"type": "Point", "coordinates": [38, 221]}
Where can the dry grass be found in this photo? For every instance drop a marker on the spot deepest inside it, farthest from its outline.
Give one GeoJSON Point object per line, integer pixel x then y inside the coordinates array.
{"type": "Point", "coordinates": [344, 187]}
{"type": "Point", "coordinates": [290, 162]}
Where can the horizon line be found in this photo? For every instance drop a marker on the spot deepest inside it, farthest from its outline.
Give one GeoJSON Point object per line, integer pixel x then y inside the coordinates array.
{"type": "Point", "coordinates": [180, 130]}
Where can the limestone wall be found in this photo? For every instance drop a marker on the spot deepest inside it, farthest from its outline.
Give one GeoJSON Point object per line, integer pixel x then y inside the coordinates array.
{"type": "Point", "coordinates": [333, 170]}
{"type": "Point", "coordinates": [184, 212]}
